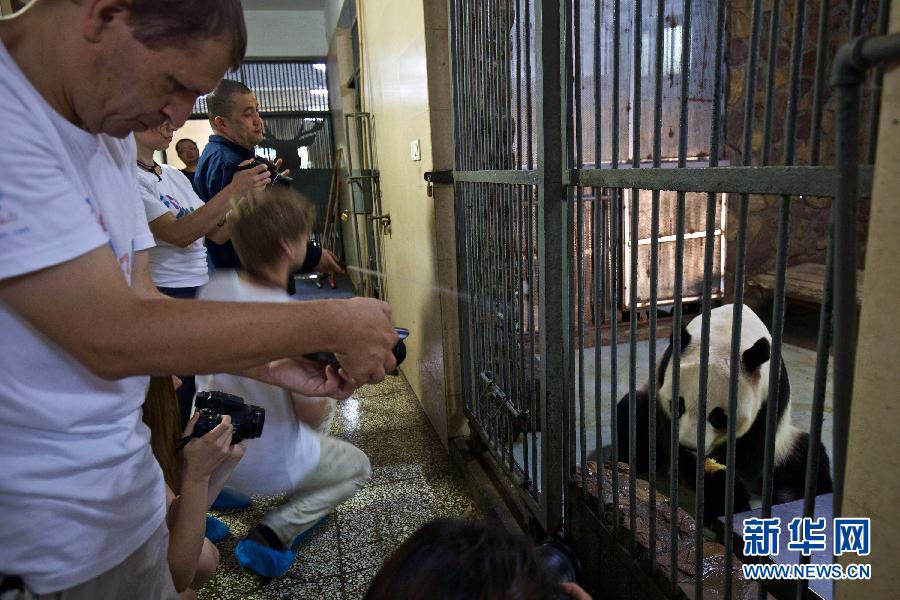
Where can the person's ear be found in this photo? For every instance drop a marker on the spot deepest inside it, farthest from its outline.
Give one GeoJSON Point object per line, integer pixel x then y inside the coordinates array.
{"type": "Point", "coordinates": [100, 15]}
{"type": "Point", "coordinates": [220, 122]}
{"type": "Point", "coordinates": [288, 249]}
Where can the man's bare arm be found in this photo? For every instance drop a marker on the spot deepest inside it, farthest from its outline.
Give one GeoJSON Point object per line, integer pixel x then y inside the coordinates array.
{"type": "Point", "coordinates": [86, 308]}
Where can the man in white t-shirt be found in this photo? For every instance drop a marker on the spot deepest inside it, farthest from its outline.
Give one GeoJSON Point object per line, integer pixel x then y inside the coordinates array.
{"type": "Point", "coordinates": [81, 497]}
{"type": "Point", "coordinates": [270, 230]}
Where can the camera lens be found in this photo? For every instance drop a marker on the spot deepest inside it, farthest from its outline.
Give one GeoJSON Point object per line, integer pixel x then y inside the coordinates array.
{"type": "Point", "coordinates": [248, 423]}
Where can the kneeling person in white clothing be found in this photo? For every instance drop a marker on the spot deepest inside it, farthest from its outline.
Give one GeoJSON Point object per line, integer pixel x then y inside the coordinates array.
{"type": "Point", "coordinates": [269, 230]}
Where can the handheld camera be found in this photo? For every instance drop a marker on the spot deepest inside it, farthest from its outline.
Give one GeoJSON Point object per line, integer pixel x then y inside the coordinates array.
{"type": "Point", "coordinates": [247, 420]}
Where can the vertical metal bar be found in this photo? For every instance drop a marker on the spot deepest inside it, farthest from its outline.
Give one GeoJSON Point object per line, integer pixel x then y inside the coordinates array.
{"type": "Point", "coordinates": [506, 234]}
{"type": "Point", "coordinates": [774, 35]}
{"type": "Point", "coordinates": [739, 268]}
{"type": "Point", "coordinates": [568, 128]}
{"type": "Point", "coordinates": [598, 258]}
{"type": "Point", "coordinates": [781, 263]}
{"type": "Point", "coordinates": [552, 219]}
{"type": "Point", "coordinates": [654, 283]}
{"type": "Point", "coordinates": [580, 256]}
{"type": "Point", "coordinates": [524, 395]}
{"type": "Point", "coordinates": [614, 266]}
{"type": "Point", "coordinates": [847, 141]}
{"type": "Point", "coordinates": [815, 133]}
{"type": "Point", "coordinates": [677, 301]}
{"type": "Point", "coordinates": [536, 406]}
{"type": "Point", "coordinates": [775, 363]}
{"type": "Point", "coordinates": [715, 138]}
{"type": "Point", "coordinates": [529, 161]}
{"type": "Point", "coordinates": [632, 284]}
{"type": "Point", "coordinates": [820, 382]}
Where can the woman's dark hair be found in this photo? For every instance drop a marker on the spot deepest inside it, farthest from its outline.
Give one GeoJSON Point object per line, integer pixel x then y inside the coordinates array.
{"type": "Point", "coordinates": [449, 559]}
{"type": "Point", "coordinates": [161, 24]}
{"type": "Point", "coordinates": [160, 414]}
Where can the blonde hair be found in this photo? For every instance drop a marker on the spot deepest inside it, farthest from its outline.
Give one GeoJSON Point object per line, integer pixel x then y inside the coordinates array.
{"type": "Point", "coordinates": [261, 219]}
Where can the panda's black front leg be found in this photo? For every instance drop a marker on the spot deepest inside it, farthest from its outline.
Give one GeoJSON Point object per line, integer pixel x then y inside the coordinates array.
{"type": "Point", "coordinates": [715, 494]}
{"type": "Point", "coordinates": [715, 488]}
{"type": "Point", "coordinates": [642, 431]}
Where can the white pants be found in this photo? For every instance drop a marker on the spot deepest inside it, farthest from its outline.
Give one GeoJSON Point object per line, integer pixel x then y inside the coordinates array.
{"type": "Point", "coordinates": [342, 470]}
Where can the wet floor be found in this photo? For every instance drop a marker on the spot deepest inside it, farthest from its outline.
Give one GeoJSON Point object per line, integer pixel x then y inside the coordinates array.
{"type": "Point", "coordinates": [412, 483]}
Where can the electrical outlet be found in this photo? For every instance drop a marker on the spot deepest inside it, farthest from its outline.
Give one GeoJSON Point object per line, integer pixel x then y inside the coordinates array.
{"type": "Point", "coordinates": [414, 153]}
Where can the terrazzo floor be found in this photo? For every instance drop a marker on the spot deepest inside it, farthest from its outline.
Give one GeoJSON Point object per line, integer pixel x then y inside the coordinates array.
{"type": "Point", "coordinates": [412, 483]}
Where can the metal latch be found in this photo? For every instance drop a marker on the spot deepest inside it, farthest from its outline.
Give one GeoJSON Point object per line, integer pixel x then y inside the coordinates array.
{"type": "Point", "coordinates": [439, 176]}
{"type": "Point", "coordinates": [433, 177]}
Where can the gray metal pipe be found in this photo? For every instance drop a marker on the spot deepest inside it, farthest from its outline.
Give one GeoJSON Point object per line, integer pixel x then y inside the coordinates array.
{"type": "Point", "coordinates": [850, 65]}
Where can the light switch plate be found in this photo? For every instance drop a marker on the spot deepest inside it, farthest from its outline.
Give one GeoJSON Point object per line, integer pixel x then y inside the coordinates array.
{"type": "Point", "coordinates": [414, 153]}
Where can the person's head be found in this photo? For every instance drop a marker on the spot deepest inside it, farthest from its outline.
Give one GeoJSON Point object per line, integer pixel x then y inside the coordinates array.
{"type": "Point", "coordinates": [187, 151]}
{"type": "Point", "coordinates": [269, 228]}
{"type": "Point", "coordinates": [160, 414]}
{"type": "Point", "coordinates": [234, 113]}
{"type": "Point", "coordinates": [155, 138]}
{"type": "Point", "coordinates": [126, 65]}
{"type": "Point", "coordinates": [449, 559]}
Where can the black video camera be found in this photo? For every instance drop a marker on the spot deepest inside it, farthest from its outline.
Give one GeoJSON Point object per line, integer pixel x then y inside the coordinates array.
{"type": "Point", "coordinates": [399, 351]}
{"type": "Point", "coordinates": [246, 419]}
{"type": "Point", "coordinates": [273, 170]}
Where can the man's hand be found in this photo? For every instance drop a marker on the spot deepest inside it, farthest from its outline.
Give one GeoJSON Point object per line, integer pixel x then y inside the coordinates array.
{"type": "Point", "coordinates": [303, 376]}
{"type": "Point", "coordinates": [245, 180]}
{"type": "Point", "coordinates": [311, 378]}
{"type": "Point", "coordinates": [328, 264]}
{"type": "Point", "coordinates": [368, 341]}
{"type": "Point", "coordinates": [278, 163]}
{"type": "Point", "coordinates": [573, 590]}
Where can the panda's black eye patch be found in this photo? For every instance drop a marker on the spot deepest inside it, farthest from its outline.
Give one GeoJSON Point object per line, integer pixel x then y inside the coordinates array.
{"type": "Point", "coordinates": [681, 408]}
{"type": "Point", "coordinates": [718, 418]}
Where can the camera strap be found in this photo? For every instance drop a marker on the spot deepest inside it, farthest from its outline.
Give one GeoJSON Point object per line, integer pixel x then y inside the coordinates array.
{"type": "Point", "coordinates": [182, 443]}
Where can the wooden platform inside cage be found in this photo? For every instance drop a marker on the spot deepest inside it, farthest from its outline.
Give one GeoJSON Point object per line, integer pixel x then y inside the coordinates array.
{"type": "Point", "coordinates": [599, 490]}
{"type": "Point", "coordinates": [802, 283]}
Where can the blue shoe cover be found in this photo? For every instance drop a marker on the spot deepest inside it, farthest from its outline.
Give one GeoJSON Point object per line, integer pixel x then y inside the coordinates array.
{"type": "Point", "coordinates": [306, 534]}
{"type": "Point", "coordinates": [216, 529]}
{"type": "Point", "coordinates": [263, 560]}
{"type": "Point", "coordinates": [229, 499]}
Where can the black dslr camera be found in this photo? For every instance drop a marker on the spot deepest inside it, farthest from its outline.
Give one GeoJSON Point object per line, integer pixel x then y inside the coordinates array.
{"type": "Point", "coordinates": [246, 419]}
{"type": "Point", "coordinates": [399, 351]}
{"type": "Point", "coordinates": [273, 170]}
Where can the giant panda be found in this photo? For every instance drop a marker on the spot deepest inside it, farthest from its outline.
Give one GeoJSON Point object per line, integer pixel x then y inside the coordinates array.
{"type": "Point", "coordinates": [791, 444]}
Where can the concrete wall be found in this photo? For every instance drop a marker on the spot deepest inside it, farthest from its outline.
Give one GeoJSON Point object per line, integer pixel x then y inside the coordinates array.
{"type": "Point", "coordinates": [407, 90]}
{"type": "Point", "coordinates": [286, 33]}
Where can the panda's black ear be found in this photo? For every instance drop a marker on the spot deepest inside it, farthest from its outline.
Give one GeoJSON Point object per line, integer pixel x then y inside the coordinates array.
{"type": "Point", "coordinates": [755, 355]}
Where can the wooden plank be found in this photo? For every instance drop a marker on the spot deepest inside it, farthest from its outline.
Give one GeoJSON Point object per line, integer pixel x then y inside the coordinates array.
{"type": "Point", "coordinates": [805, 282]}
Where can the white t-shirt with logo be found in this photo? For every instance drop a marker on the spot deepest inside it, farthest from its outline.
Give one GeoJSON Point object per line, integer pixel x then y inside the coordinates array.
{"type": "Point", "coordinates": [288, 450]}
{"type": "Point", "coordinates": [171, 266]}
{"type": "Point", "coordinates": [79, 487]}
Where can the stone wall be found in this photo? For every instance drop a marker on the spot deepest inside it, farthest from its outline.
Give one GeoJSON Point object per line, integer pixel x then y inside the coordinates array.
{"type": "Point", "coordinates": [809, 216]}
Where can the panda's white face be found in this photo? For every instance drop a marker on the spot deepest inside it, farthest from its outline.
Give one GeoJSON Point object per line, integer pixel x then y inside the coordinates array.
{"type": "Point", "coordinates": [752, 381]}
